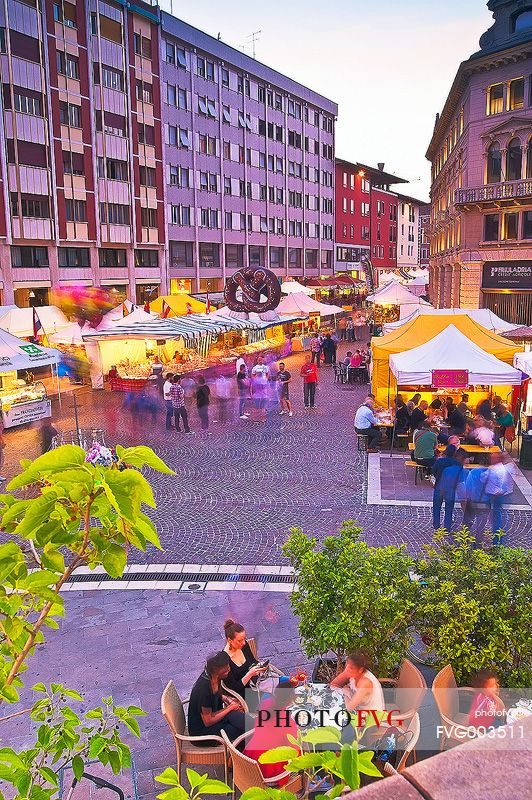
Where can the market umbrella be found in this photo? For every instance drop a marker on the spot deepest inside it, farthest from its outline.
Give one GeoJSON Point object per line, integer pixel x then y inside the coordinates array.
{"type": "Point", "coordinates": [289, 287]}
{"type": "Point", "coordinates": [522, 334]}
{"type": "Point", "coordinates": [300, 303]}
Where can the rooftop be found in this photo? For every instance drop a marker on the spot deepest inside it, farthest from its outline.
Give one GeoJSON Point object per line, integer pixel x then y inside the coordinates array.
{"type": "Point", "coordinates": [374, 172]}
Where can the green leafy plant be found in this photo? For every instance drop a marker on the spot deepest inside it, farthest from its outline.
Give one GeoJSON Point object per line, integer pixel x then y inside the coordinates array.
{"type": "Point", "coordinates": [200, 785]}
{"type": "Point", "coordinates": [73, 514]}
{"type": "Point", "coordinates": [350, 595]}
{"type": "Point", "coordinates": [475, 609]}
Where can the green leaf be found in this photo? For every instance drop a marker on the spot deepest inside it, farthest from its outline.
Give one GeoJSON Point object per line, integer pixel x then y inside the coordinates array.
{"type": "Point", "coordinates": [366, 765]}
{"type": "Point", "coordinates": [178, 793]}
{"type": "Point", "coordinates": [115, 760]}
{"type": "Point", "coordinates": [133, 725]}
{"type": "Point", "coordinates": [324, 735]}
{"type": "Point", "coordinates": [195, 779]}
{"type": "Point", "coordinates": [96, 745]}
{"type": "Point", "coordinates": [49, 775]}
{"type": "Point", "coordinates": [143, 457]}
{"type": "Point", "coordinates": [277, 754]}
{"type": "Point", "coordinates": [78, 767]}
{"type": "Point", "coordinates": [94, 713]}
{"type": "Point", "coordinates": [169, 776]}
{"type": "Point", "coordinates": [212, 786]}
{"type": "Point", "coordinates": [39, 687]}
{"type": "Point", "coordinates": [349, 766]}
{"type": "Point", "coordinates": [114, 560]}
{"type": "Point", "coordinates": [308, 760]}
{"type": "Point", "coordinates": [52, 558]}
{"type": "Point", "coordinates": [73, 694]}
{"type": "Point", "coordinates": [146, 528]}
{"type": "Point", "coordinates": [37, 512]}
{"type": "Point", "coordinates": [40, 579]}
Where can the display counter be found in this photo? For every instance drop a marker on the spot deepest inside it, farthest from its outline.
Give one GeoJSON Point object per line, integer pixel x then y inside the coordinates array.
{"type": "Point", "coordinates": [23, 402]}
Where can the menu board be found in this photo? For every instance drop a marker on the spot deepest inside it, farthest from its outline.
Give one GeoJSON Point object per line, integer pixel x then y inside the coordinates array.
{"type": "Point", "coordinates": [450, 378]}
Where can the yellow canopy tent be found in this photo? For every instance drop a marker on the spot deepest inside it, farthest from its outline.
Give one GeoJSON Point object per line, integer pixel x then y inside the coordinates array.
{"type": "Point", "coordinates": [422, 329]}
{"type": "Point", "coordinates": [180, 304]}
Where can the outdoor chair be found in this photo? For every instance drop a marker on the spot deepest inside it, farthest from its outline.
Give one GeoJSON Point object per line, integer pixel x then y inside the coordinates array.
{"type": "Point", "coordinates": [272, 668]}
{"type": "Point", "coordinates": [414, 727]}
{"type": "Point", "coordinates": [453, 704]}
{"type": "Point", "coordinates": [234, 694]}
{"type": "Point", "coordinates": [173, 711]}
{"type": "Point", "coordinates": [247, 774]}
{"type": "Point", "coordinates": [410, 687]}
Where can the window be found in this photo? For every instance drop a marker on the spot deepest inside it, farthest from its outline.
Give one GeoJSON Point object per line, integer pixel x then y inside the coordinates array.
{"type": "Point", "coordinates": [142, 45]}
{"type": "Point", "coordinates": [144, 92]}
{"type": "Point", "coordinates": [207, 145]}
{"type": "Point", "coordinates": [148, 217]}
{"type": "Point", "coordinates": [226, 114]}
{"type": "Point", "coordinates": [491, 228]}
{"type": "Point", "coordinates": [200, 66]}
{"type": "Point", "coordinates": [523, 21]}
{"type": "Point", "coordinates": [31, 206]}
{"type": "Point", "coordinates": [494, 165]}
{"type": "Point", "coordinates": [234, 256]}
{"type": "Point", "coordinates": [113, 79]}
{"type": "Point", "coordinates": [277, 257]}
{"type": "Point", "coordinates": [256, 255]}
{"type": "Point", "coordinates": [70, 115]}
{"type": "Point", "coordinates": [180, 215]}
{"type": "Point", "coordinates": [527, 225]}
{"type": "Point", "coordinates": [365, 232]}
{"type": "Point", "coordinates": [146, 258]}
{"type": "Point", "coordinates": [365, 185]}
{"type": "Point", "coordinates": [115, 170]}
{"type": "Point", "coordinates": [495, 99]}
{"type": "Point", "coordinates": [67, 65]}
{"type": "Point", "coordinates": [114, 214]}
{"type": "Point", "coordinates": [112, 257]}
{"type": "Point", "coordinates": [171, 94]}
{"type": "Point", "coordinates": [73, 256]}
{"type": "Point", "coordinates": [516, 95]}
{"type": "Point", "coordinates": [76, 210]}
{"type": "Point", "coordinates": [3, 48]}
{"type": "Point", "coordinates": [225, 77]}
{"type": "Point", "coordinates": [179, 137]}
{"type": "Point", "coordinates": [27, 103]}
{"type": "Point", "coordinates": [179, 176]}
{"type": "Point", "coordinates": [209, 255]}
{"type": "Point", "coordinates": [73, 163]}
{"type": "Point", "coordinates": [147, 176]}
{"type": "Point", "coordinates": [182, 99]}
{"type": "Point", "coordinates": [365, 209]}
{"type": "Point", "coordinates": [294, 257]}
{"type": "Point", "coordinates": [29, 256]}
{"type": "Point", "coordinates": [513, 161]}
{"type": "Point", "coordinates": [208, 218]}
{"type": "Point", "coordinates": [511, 226]}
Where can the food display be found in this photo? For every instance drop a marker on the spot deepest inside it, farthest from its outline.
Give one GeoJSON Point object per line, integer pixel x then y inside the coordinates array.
{"type": "Point", "coordinates": [23, 402]}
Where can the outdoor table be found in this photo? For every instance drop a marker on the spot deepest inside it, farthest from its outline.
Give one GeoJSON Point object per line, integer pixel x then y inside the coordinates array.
{"type": "Point", "coordinates": [469, 448]}
{"type": "Point", "coordinates": [313, 698]}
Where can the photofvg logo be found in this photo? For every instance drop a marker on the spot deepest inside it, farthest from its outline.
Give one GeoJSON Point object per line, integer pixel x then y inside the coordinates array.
{"type": "Point", "coordinates": [32, 350]}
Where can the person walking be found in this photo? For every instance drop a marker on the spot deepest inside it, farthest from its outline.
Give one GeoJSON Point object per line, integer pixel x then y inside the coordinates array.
{"type": "Point", "coordinates": [203, 399]}
{"type": "Point", "coordinates": [315, 348]}
{"type": "Point", "coordinates": [222, 387]}
{"type": "Point", "coordinates": [477, 505]}
{"type": "Point", "coordinates": [499, 486]}
{"type": "Point", "coordinates": [309, 373]}
{"type": "Point", "coordinates": [167, 397]}
{"type": "Point", "coordinates": [260, 375]}
{"type": "Point", "coordinates": [350, 328]}
{"type": "Point", "coordinates": [177, 394]}
{"type": "Point", "coordinates": [449, 472]}
{"type": "Point", "coordinates": [329, 349]}
{"type": "Point", "coordinates": [284, 377]}
{"type": "Point", "coordinates": [342, 328]}
{"type": "Point", "coordinates": [242, 382]}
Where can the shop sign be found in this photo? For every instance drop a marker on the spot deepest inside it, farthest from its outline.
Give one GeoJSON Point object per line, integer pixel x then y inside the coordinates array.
{"type": "Point", "coordinates": [507, 275]}
{"type": "Point", "coordinates": [26, 412]}
{"type": "Point", "coordinates": [450, 378]}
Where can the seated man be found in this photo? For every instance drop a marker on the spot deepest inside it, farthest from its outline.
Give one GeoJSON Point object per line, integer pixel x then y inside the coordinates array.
{"type": "Point", "coordinates": [418, 415]}
{"type": "Point", "coordinates": [210, 712]}
{"type": "Point", "coordinates": [425, 443]}
{"type": "Point", "coordinates": [366, 424]}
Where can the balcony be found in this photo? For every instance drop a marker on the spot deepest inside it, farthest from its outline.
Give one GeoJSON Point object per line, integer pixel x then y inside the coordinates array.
{"type": "Point", "coordinates": [494, 195]}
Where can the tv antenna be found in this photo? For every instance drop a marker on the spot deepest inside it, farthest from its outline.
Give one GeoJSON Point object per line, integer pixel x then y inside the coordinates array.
{"type": "Point", "coordinates": [253, 38]}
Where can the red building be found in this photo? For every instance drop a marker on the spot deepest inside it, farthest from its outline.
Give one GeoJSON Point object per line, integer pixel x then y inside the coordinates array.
{"type": "Point", "coordinates": [366, 218]}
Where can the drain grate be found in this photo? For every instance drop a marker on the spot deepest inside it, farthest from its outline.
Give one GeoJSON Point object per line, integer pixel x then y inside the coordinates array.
{"type": "Point", "coordinates": [186, 577]}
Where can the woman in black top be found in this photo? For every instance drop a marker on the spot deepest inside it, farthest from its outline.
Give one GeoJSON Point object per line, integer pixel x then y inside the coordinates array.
{"type": "Point", "coordinates": [203, 399]}
{"type": "Point", "coordinates": [209, 712]}
{"type": "Point", "coordinates": [242, 662]}
{"type": "Point", "coordinates": [402, 417]}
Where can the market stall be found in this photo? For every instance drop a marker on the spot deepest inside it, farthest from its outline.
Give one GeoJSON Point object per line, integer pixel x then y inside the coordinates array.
{"type": "Point", "coordinates": [484, 316]}
{"type": "Point", "coordinates": [393, 302]}
{"type": "Point", "coordinates": [177, 305]}
{"type": "Point", "coordinates": [25, 322]}
{"type": "Point", "coordinates": [423, 329]}
{"type": "Point", "coordinates": [185, 344]}
{"type": "Point", "coordinates": [273, 332]}
{"type": "Point", "coordinates": [523, 362]}
{"type": "Point", "coordinates": [22, 399]}
{"type": "Point", "coordinates": [289, 287]}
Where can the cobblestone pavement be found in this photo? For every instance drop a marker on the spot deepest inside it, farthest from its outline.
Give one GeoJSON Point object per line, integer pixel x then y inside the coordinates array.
{"type": "Point", "coordinates": [237, 493]}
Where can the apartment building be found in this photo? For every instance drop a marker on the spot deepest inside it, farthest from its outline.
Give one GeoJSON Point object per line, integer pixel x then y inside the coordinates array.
{"type": "Point", "coordinates": [408, 242]}
{"type": "Point", "coordinates": [138, 153]}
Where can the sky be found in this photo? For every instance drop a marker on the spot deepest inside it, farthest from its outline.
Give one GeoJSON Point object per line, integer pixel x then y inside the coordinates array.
{"type": "Point", "coordinates": [388, 64]}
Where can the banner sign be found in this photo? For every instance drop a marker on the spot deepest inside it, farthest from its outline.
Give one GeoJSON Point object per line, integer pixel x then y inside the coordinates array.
{"type": "Point", "coordinates": [507, 275]}
{"type": "Point", "coordinates": [26, 412]}
{"type": "Point", "coordinates": [450, 378]}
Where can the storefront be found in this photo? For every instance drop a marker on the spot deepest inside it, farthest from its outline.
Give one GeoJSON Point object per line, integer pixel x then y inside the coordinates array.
{"type": "Point", "coordinates": [146, 291]}
{"type": "Point", "coordinates": [28, 295]}
{"type": "Point", "coordinates": [507, 290]}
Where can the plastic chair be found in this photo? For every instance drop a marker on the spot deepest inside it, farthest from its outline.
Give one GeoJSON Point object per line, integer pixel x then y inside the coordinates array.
{"type": "Point", "coordinates": [172, 708]}
{"type": "Point", "coordinates": [247, 774]}
{"type": "Point", "coordinates": [410, 686]}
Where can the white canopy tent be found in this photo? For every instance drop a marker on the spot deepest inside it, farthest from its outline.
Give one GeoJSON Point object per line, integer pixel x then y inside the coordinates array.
{"type": "Point", "coordinates": [395, 294]}
{"type": "Point", "coordinates": [523, 362]}
{"type": "Point", "coordinates": [72, 334]}
{"type": "Point", "coordinates": [289, 287]}
{"type": "Point", "coordinates": [451, 350]}
{"type": "Point", "coordinates": [19, 321]}
{"type": "Point", "coordinates": [266, 320]}
{"type": "Point", "coordinates": [16, 354]}
{"type": "Point", "coordinates": [484, 317]}
{"type": "Point", "coordinates": [300, 303]}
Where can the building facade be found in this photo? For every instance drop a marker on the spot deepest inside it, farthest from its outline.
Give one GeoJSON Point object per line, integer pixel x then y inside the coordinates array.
{"type": "Point", "coordinates": [481, 154]}
{"type": "Point", "coordinates": [424, 236]}
{"type": "Point", "coordinates": [140, 154]}
{"type": "Point", "coordinates": [408, 244]}
{"type": "Point", "coordinates": [366, 218]}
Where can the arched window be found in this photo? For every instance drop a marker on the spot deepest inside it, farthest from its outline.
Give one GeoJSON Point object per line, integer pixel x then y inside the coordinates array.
{"type": "Point", "coordinates": [529, 159]}
{"type": "Point", "coordinates": [523, 21]}
{"type": "Point", "coordinates": [494, 164]}
{"type": "Point", "coordinates": [513, 161]}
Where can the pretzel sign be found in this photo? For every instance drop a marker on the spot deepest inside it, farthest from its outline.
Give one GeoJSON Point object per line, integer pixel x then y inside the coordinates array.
{"type": "Point", "coordinates": [252, 282]}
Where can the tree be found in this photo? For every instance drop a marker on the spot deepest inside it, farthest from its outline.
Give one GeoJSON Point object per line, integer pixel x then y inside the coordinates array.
{"type": "Point", "coordinates": [475, 608]}
{"type": "Point", "coordinates": [78, 510]}
{"type": "Point", "coordinates": [351, 596]}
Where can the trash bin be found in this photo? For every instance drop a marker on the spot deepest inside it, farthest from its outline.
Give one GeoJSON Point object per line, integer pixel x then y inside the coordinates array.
{"type": "Point", "coordinates": [525, 457]}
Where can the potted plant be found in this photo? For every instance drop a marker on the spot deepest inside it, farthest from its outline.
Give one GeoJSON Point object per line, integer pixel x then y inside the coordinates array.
{"type": "Point", "coordinates": [475, 607]}
{"type": "Point", "coordinates": [349, 596]}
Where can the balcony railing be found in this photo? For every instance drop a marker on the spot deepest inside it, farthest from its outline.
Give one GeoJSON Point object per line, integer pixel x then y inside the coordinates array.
{"type": "Point", "coordinates": [494, 192]}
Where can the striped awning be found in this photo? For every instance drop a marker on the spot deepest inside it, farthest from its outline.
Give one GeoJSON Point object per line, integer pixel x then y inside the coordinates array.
{"type": "Point", "coordinates": [191, 326]}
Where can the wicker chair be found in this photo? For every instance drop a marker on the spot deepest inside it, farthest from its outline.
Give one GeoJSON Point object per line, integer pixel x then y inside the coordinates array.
{"type": "Point", "coordinates": [247, 774]}
{"type": "Point", "coordinates": [237, 696]}
{"type": "Point", "coordinates": [411, 687]}
{"type": "Point", "coordinates": [414, 727]}
{"type": "Point", "coordinates": [187, 752]}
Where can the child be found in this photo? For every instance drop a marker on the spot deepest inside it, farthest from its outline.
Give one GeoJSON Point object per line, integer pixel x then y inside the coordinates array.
{"type": "Point", "coordinates": [487, 709]}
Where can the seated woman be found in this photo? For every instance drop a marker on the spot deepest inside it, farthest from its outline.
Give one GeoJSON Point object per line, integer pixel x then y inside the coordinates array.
{"type": "Point", "coordinates": [487, 709]}
{"type": "Point", "coordinates": [272, 728]}
{"type": "Point", "coordinates": [425, 443]}
{"type": "Point", "coordinates": [242, 663]}
{"type": "Point", "coordinates": [504, 418]}
{"type": "Point", "coordinates": [210, 712]}
{"type": "Point", "coordinates": [483, 433]}
{"type": "Point", "coordinates": [360, 686]}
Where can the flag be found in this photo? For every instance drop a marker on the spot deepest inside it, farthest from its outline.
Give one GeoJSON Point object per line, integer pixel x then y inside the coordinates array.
{"type": "Point", "coordinates": [36, 324]}
{"type": "Point", "coordinates": [125, 312]}
{"type": "Point", "coordinates": [147, 306]}
{"type": "Point", "coordinates": [166, 310]}
{"type": "Point", "coordinates": [208, 306]}
{"type": "Point", "coordinates": [189, 308]}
